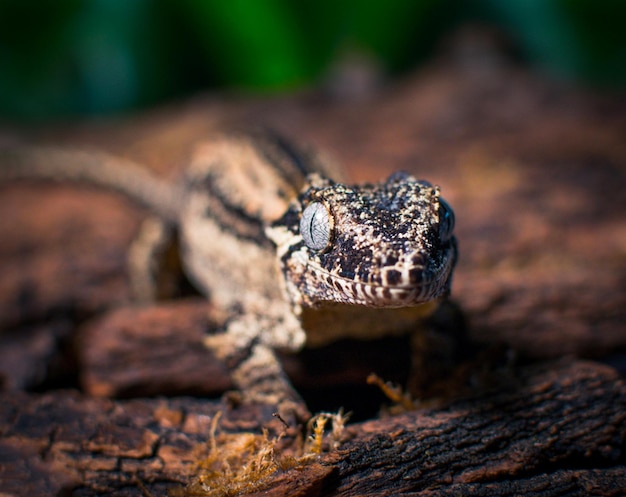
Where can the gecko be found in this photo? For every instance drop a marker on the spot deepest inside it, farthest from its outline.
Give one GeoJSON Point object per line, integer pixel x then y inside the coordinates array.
{"type": "Point", "coordinates": [291, 257]}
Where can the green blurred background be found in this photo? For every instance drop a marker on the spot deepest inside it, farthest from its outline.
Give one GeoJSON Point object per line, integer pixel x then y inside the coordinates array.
{"type": "Point", "coordinates": [90, 57]}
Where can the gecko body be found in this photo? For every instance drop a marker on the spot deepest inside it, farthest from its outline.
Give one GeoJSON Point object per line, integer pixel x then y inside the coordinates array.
{"type": "Point", "coordinates": [290, 256]}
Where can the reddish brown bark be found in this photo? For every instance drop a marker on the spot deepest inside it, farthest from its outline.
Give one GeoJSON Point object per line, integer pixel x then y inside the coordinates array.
{"type": "Point", "coordinates": [559, 429]}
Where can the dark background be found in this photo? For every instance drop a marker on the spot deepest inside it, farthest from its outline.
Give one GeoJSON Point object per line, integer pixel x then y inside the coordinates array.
{"type": "Point", "coordinates": [62, 58]}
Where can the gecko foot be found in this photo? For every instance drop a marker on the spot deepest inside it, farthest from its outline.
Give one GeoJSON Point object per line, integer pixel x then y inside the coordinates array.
{"type": "Point", "coordinates": [261, 381]}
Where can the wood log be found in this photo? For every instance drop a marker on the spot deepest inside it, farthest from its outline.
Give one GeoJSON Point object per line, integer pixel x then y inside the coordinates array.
{"type": "Point", "coordinates": [555, 429]}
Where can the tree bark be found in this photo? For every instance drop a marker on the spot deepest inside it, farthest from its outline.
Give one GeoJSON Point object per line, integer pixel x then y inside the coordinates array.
{"type": "Point", "coordinates": [555, 429]}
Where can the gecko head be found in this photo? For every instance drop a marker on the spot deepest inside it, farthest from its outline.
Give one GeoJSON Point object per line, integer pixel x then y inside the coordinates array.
{"type": "Point", "coordinates": [389, 244]}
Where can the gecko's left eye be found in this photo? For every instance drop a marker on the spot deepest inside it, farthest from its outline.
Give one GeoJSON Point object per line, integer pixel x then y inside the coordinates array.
{"type": "Point", "coordinates": [316, 226]}
{"type": "Point", "coordinates": [446, 221]}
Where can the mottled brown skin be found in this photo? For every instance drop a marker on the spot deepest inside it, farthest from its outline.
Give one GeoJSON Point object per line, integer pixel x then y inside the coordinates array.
{"type": "Point", "coordinates": [388, 256]}
{"type": "Point", "coordinates": [384, 259]}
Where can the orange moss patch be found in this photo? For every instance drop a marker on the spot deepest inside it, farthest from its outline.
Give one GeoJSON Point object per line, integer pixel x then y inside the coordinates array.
{"type": "Point", "coordinates": [241, 463]}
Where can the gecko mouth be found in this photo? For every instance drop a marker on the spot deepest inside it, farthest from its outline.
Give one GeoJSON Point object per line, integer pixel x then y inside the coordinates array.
{"type": "Point", "coordinates": [422, 286]}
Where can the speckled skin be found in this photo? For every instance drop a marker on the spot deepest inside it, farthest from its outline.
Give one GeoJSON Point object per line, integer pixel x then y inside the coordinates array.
{"type": "Point", "coordinates": [385, 248]}
{"type": "Point", "coordinates": [387, 259]}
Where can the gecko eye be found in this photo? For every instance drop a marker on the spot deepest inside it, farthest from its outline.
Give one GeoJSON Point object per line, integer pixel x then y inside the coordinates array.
{"type": "Point", "coordinates": [315, 226]}
{"type": "Point", "coordinates": [446, 221]}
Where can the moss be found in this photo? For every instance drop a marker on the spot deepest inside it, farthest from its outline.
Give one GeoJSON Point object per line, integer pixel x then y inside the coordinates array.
{"type": "Point", "coordinates": [402, 401]}
{"type": "Point", "coordinates": [240, 463]}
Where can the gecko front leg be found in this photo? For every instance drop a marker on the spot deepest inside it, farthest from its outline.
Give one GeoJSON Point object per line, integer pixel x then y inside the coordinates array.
{"type": "Point", "coordinates": [255, 369]}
